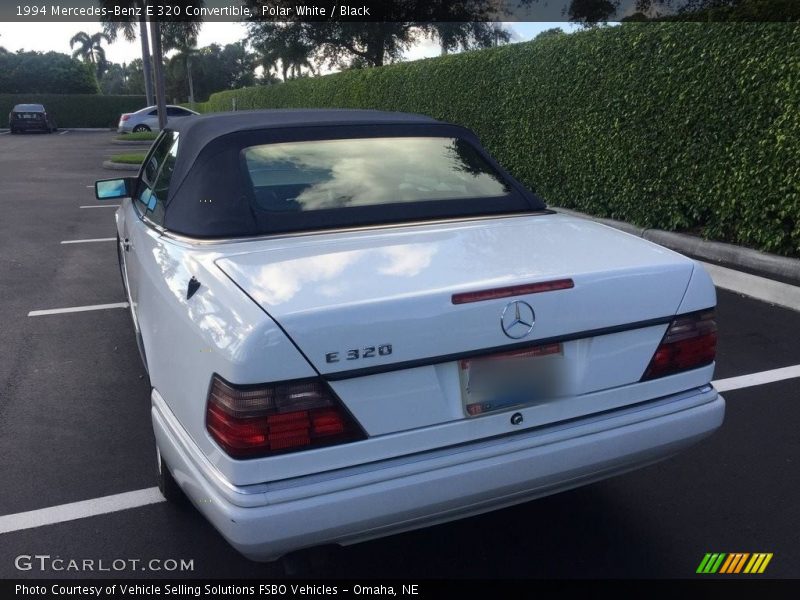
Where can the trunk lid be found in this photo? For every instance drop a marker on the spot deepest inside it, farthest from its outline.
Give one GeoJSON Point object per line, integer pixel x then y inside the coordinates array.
{"type": "Point", "coordinates": [340, 295]}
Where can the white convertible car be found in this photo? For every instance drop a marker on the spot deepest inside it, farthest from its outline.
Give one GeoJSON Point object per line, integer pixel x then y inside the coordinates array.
{"type": "Point", "coordinates": [357, 323]}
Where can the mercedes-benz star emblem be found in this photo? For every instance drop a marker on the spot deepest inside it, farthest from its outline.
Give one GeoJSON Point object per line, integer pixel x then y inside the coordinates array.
{"type": "Point", "coordinates": [517, 319]}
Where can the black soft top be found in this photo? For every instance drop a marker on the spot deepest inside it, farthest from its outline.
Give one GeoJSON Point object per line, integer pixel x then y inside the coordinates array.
{"type": "Point", "coordinates": [209, 195]}
{"type": "Point", "coordinates": [198, 131]}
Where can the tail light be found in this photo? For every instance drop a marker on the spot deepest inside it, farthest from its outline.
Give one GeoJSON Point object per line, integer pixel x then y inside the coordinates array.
{"type": "Point", "coordinates": [262, 420]}
{"type": "Point", "coordinates": [690, 343]}
{"type": "Point", "coordinates": [124, 117]}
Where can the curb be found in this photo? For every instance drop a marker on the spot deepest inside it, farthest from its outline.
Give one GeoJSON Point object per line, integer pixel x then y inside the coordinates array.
{"type": "Point", "coordinates": [109, 129]}
{"type": "Point", "coordinates": [780, 267]}
{"type": "Point", "coordinates": [132, 142]}
{"type": "Point", "coordinates": [107, 164]}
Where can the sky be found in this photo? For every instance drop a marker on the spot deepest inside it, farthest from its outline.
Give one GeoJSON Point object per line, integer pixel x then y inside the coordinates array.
{"type": "Point", "coordinates": [55, 36]}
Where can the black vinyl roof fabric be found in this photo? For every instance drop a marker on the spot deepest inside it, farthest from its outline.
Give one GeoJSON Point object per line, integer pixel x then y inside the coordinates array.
{"type": "Point", "coordinates": [203, 128]}
{"type": "Point", "coordinates": [209, 195]}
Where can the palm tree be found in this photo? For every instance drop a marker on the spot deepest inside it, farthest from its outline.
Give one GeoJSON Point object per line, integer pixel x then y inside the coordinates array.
{"type": "Point", "coordinates": [284, 45]}
{"type": "Point", "coordinates": [129, 31]}
{"type": "Point", "coordinates": [186, 48]}
{"type": "Point", "coordinates": [90, 49]}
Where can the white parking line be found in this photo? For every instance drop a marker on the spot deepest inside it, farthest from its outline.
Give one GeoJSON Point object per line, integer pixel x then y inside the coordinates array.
{"type": "Point", "coordinates": [87, 241]}
{"type": "Point", "coordinates": [79, 510]}
{"type": "Point", "coordinates": [63, 132]}
{"type": "Point", "coordinates": [74, 309]}
{"type": "Point", "coordinates": [743, 381]}
{"type": "Point", "coordinates": [101, 206]}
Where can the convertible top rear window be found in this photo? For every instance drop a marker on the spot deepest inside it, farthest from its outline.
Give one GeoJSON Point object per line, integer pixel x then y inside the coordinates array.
{"type": "Point", "coordinates": [329, 174]}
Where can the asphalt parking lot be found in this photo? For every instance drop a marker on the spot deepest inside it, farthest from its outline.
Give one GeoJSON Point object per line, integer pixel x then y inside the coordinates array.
{"type": "Point", "coordinates": [75, 426]}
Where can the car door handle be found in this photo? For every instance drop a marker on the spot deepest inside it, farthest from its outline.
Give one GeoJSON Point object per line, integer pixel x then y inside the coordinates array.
{"type": "Point", "coordinates": [126, 244]}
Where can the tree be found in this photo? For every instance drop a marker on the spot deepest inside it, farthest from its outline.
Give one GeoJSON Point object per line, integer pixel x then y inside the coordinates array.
{"type": "Point", "coordinates": [240, 64]}
{"type": "Point", "coordinates": [130, 28]}
{"type": "Point", "coordinates": [135, 80]}
{"type": "Point", "coordinates": [90, 49]}
{"type": "Point", "coordinates": [468, 36]}
{"type": "Point", "coordinates": [284, 48]}
{"type": "Point", "coordinates": [592, 12]}
{"type": "Point", "coordinates": [214, 68]}
{"type": "Point", "coordinates": [115, 80]}
{"type": "Point", "coordinates": [719, 10]}
{"type": "Point", "coordinates": [357, 44]}
{"type": "Point", "coordinates": [168, 36]}
{"type": "Point", "coordinates": [173, 33]}
{"type": "Point", "coordinates": [548, 33]}
{"type": "Point", "coordinates": [46, 73]}
{"type": "Point", "coordinates": [186, 49]}
{"type": "Point", "coordinates": [335, 43]}
{"type": "Point", "coordinates": [210, 74]}
{"type": "Point", "coordinates": [463, 23]}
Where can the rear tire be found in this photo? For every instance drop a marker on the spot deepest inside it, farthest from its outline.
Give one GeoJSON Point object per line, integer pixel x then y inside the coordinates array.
{"type": "Point", "coordinates": [167, 485]}
{"type": "Point", "coordinates": [141, 129]}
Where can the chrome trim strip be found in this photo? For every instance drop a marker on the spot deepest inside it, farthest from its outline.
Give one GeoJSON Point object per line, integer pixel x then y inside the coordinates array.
{"type": "Point", "coordinates": [293, 234]}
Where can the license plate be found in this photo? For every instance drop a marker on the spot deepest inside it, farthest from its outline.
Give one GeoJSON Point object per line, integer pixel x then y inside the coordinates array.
{"type": "Point", "coordinates": [510, 379]}
{"type": "Point", "coordinates": [27, 116]}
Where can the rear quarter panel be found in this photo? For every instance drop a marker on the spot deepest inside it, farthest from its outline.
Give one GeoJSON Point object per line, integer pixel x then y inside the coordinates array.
{"type": "Point", "coordinates": [217, 330]}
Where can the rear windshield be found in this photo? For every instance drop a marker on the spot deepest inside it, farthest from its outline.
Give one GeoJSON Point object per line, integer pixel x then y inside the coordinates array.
{"type": "Point", "coordinates": [29, 108]}
{"type": "Point", "coordinates": [342, 173]}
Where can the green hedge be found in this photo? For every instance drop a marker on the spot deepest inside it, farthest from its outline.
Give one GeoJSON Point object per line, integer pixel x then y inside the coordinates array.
{"type": "Point", "coordinates": [680, 126]}
{"type": "Point", "coordinates": [76, 110]}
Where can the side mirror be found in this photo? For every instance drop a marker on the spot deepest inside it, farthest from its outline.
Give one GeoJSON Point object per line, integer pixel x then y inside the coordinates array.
{"type": "Point", "coordinates": [112, 189]}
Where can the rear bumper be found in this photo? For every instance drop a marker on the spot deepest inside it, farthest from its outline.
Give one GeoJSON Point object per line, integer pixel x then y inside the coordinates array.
{"type": "Point", "coordinates": [265, 521]}
{"type": "Point", "coordinates": [29, 125]}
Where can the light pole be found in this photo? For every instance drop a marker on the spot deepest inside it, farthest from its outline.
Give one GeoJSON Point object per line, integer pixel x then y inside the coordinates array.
{"type": "Point", "coordinates": [146, 57]}
{"type": "Point", "coordinates": [158, 71]}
